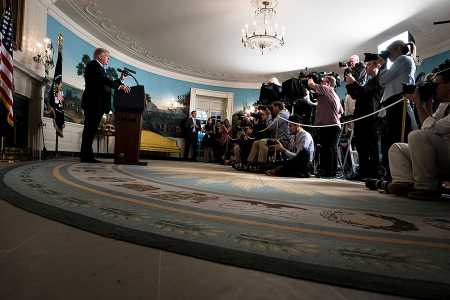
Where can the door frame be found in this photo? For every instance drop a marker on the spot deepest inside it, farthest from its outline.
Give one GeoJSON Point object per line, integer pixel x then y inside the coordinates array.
{"type": "Point", "coordinates": [229, 96]}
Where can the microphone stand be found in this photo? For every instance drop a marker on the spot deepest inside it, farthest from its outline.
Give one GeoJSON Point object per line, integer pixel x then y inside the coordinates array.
{"type": "Point", "coordinates": [126, 74]}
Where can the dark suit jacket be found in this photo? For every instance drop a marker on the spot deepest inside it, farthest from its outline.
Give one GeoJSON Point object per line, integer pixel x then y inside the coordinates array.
{"type": "Point", "coordinates": [189, 132]}
{"type": "Point", "coordinates": [97, 93]}
{"type": "Point", "coordinates": [367, 97]}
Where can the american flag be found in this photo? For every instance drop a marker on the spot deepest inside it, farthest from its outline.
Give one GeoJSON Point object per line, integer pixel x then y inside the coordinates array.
{"type": "Point", "coordinates": [6, 64]}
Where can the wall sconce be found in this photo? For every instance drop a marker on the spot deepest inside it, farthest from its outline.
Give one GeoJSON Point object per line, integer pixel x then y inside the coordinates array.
{"type": "Point", "coordinates": [44, 55]}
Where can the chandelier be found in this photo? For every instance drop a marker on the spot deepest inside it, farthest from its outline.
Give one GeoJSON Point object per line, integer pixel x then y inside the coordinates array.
{"type": "Point", "coordinates": [264, 34]}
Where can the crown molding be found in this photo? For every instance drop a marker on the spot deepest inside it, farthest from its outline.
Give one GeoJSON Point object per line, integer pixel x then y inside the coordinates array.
{"type": "Point", "coordinates": [82, 33]}
{"type": "Point", "coordinates": [47, 3]}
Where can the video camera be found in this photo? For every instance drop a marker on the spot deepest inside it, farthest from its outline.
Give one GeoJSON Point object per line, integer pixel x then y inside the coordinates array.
{"type": "Point", "coordinates": [318, 77]}
{"type": "Point", "coordinates": [297, 88]}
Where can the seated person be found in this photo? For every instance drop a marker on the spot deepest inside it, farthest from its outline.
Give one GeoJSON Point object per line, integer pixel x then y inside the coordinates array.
{"type": "Point", "coordinates": [278, 130]}
{"type": "Point", "coordinates": [299, 153]}
{"type": "Point", "coordinates": [419, 166]}
{"type": "Point", "coordinates": [242, 146]}
{"type": "Point", "coordinates": [260, 123]}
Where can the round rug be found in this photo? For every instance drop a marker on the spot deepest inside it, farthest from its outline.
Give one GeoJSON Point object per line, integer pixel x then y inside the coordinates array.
{"type": "Point", "coordinates": [333, 231]}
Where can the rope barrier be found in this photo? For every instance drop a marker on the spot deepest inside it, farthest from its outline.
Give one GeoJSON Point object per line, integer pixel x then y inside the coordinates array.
{"type": "Point", "coordinates": [343, 123]}
{"type": "Point", "coordinates": [270, 125]}
{"type": "Point", "coordinates": [330, 125]}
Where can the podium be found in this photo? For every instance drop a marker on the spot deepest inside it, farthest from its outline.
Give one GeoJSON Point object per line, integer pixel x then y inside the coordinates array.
{"type": "Point", "coordinates": [128, 122]}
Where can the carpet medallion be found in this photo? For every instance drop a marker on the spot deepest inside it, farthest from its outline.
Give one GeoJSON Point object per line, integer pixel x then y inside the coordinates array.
{"type": "Point", "coordinates": [332, 231]}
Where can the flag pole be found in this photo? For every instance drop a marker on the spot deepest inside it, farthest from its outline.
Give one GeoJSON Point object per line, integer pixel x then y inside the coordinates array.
{"type": "Point", "coordinates": [44, 150]}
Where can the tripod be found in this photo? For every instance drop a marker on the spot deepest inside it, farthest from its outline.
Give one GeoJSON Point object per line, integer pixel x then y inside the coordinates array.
{"type": "Point", "coordinates": [347, 157]}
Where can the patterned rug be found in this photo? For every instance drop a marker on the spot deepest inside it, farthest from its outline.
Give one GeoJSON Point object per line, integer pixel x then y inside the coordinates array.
{"type": "Point", "coordinates": [332, 231]}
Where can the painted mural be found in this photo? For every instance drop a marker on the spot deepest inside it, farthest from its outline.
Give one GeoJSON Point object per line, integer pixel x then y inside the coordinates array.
{"type": "Point", "coordinates": [167, 99]}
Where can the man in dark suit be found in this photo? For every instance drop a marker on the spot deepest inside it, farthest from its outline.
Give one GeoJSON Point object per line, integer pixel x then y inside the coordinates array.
{"type": "Point", "coordinates": [96, 100]}
{"type": "Point", "coordinates": [193, 126]}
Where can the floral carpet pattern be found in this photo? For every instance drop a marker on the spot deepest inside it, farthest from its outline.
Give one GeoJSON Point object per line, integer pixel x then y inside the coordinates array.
{"type": "Point", "coordinates": [333, 231]}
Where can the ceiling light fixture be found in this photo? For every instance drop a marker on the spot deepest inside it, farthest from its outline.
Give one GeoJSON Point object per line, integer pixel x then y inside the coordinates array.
{"type": "Point", "coordinates": [264, 34]}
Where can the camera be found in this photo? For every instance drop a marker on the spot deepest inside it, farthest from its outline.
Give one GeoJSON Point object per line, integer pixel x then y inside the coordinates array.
{"type": "Point", "coordinates": [355, 71]}
{"type": "Point", "coordinates": [425, 86]}
{"type": "Point", "coordinates": [256, 115]}
{"type": "Point", "coordinates": [384, 54]}
{"type": "Point", "coordinates": [426, 89]}
{"type": "Point", "coordinates": [317, 77]}
{"type": "Point", "coordinates": [272, 142]}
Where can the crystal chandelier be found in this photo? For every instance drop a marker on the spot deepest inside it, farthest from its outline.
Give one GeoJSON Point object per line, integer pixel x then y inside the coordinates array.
{"type": "Point", "coordinates": [264, 34]}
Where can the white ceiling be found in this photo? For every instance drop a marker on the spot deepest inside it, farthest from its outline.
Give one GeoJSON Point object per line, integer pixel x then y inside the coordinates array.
{"type": "Point", "coordinates": [201, 38]}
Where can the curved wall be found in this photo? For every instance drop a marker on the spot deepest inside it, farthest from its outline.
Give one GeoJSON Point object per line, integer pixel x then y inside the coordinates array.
{"type": "Point", "coordinates": [163, 90]}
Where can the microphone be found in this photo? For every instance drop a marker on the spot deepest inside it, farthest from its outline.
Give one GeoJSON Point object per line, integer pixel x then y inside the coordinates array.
{"type": "Point", "coordinates": [126, 71]}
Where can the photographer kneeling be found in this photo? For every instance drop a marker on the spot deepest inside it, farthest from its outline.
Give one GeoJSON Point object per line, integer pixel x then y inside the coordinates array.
{"type": "Point", "coordinates": [299, 154]}
{"type": "Point", "coordinates": [418, 167]}
{"type": "Point", "coordinates": [278, 131]}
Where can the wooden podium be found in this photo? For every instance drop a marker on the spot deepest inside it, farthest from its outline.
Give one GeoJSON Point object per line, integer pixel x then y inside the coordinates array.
{"type": "Point", "coordinates": [128, 121]}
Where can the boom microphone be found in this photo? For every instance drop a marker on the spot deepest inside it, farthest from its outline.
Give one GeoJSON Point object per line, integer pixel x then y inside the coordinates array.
{"type": "Point", "coordinates": [441, 22]}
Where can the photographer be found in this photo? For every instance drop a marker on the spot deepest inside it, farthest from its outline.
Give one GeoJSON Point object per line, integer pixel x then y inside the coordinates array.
{"type": "Point", "coordinates": [242, 146]}
{"type": "Point", "coordinates": [328, 112]}
{"type": "Point", "coordinates": [355, 68]}
{"type": "Point", "coordinates": [261, 121]}
{"type": "Point", "coordinates": [418, 166]}
{"type": "Point", "coordinates": [299, 153]}
{"type": "Point", "coordinates": [402, 71]}
{"type": "Point", "coordinates": [305, 108]}
{"type": "Point", "coordinates": [367, 99]}
{"type": "Point", "coordinates": [278, 131]}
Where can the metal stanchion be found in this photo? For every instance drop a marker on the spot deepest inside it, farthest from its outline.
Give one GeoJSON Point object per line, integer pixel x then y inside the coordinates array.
{"type": "Point", "coordinates": [405, 103]}
{"type": "Point", "coordinates": [56, 146]}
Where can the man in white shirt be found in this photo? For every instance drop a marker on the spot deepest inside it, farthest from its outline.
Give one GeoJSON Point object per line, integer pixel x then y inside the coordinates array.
{"type": "Point", "coordinates": [299, 153]}
{"type": "Point", "coordinates": [418, 167]}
